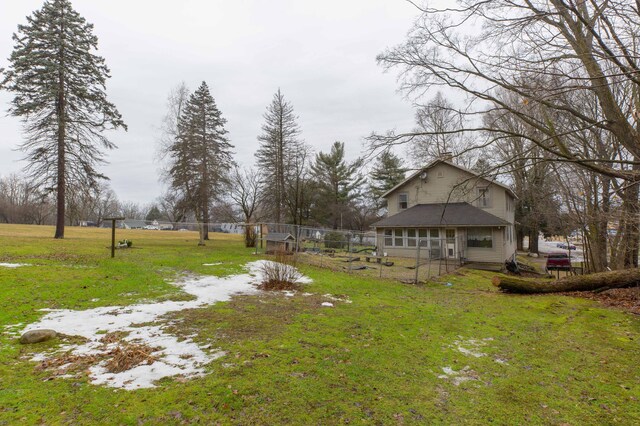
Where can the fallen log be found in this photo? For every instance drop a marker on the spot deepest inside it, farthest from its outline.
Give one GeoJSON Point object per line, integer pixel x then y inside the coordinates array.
{"type": "Point", "coordinates": [602, 280]}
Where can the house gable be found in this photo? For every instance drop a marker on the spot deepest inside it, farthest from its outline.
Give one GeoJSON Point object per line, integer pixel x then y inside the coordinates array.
{"type": "Point", "coordinates": [445, 182]}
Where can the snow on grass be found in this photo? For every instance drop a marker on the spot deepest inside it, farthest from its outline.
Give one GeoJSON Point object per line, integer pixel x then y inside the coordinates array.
{"type": "Point", "coordinates": [458, 377]}
{"type": "Point", "coordinates": [13, 265]}
{"type": "Point", "coordinates": [140, 324]}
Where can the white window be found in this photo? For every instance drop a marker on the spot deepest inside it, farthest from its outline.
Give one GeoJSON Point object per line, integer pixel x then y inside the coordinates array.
{"type": "Point", "coordinates": [398, 240]}
{"type": "Point", "coordinates": [484, 200]}
{"type": "Point", "coordinates": [480, 237]}
{"type": "Point", "coordinates": [403, 201]}
{"type": "Point", "coordinates": [388, 237]}
{"type": "Point", "coordinates": [411, 237]}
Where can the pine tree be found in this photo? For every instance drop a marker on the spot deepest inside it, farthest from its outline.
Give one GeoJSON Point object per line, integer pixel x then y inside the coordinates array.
{"type": "Point", "coordinates": [201, 155]}
{"type": "Point", "coordinates": [279, 156]}
{"type": "Point", "coordinates": [337, 185]}
{"type": "Point", "coordinates": [386, 173]}
{"type": "Point", "coordinates": [59, 84]}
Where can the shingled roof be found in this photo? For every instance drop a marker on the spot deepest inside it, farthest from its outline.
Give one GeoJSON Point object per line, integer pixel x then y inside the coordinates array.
{"type": "Point", "coordinates": [441, 214]}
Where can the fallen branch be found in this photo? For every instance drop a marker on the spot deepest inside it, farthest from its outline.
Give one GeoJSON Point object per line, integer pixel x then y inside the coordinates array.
{"type": "Point", "coordinates": [612, 279]}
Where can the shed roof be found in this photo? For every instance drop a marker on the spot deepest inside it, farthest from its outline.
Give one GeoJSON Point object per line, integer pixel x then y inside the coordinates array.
{"type": "Point", "coordinates": [441, 214]}
{"type": "Point", "coordinates": [279, 236]}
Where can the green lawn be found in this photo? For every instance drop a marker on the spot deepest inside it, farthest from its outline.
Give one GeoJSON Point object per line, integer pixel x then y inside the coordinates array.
{"type": "Point", "coordinates": [398, 354]}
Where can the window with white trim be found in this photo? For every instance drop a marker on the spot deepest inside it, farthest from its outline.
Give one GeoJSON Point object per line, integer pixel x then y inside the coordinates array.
{"type": "Point", "coordinates": [480, 237]}
{"type": "Point", "coordinates": [403, 201]}
{"type": "Point", "coordinates": [483, 198]}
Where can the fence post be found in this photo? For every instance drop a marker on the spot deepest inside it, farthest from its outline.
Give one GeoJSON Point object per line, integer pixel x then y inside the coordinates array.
{"type": "Point", "coordinates": [349, 248]}
{"type": "Point", "coordinates": [417, 260]}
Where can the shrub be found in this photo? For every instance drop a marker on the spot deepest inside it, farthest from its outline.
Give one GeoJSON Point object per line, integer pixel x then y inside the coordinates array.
{"type": "Point", "coordinates": [335, 240]}
{"type": "Point", "coordinates": [281, 274]}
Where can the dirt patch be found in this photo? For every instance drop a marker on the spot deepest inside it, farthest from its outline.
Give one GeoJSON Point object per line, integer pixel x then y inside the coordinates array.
{"type": "Point", "coordinates": [243, 318]}
{"type": "Point", "coordinates": [627, 299]}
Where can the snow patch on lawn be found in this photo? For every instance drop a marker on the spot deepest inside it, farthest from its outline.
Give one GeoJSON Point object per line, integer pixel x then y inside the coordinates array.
{"type": "Point", "coordinates": [172, 356]}
{"type": "Point", "coordinates": [13, 265]}
{"type": "Point", "coordinates": [460, 376]}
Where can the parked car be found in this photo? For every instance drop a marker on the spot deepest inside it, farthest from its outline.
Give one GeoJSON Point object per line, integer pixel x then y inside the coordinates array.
{"type": "Point", "coordinates": [566, 246]}
{"type": "Point", "coordinates": [558, 262]}
{"type": "Point", "coordinates": [151, 228]}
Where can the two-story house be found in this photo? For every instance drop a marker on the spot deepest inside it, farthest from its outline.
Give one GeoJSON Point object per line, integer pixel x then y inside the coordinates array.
{"type": "Point", "coordinates": [452, 212]}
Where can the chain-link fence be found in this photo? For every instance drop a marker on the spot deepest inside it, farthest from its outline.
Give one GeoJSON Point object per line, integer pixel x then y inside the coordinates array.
{"type": "Point", "coordinates": [354, 252]}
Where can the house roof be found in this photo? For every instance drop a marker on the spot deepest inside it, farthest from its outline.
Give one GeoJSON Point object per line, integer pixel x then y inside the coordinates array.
{"type": "Point", "coordinates": [441, 214]}
{"type": "Point", "coordinates": [134, 223]}
{"type": "Point", "coordinates": [279, 236]}
{"type": "Point", "coordinates": [464, 169]}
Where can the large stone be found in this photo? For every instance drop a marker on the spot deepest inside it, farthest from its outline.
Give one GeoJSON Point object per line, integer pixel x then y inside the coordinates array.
{"type": "Point", "coordinates": [37, 336]}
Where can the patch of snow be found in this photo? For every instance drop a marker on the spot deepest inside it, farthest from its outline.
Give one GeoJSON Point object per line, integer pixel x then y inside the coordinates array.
{"type": "Point", "coordinates": [475, 345]}
{"type": "Point", "coordinates": [212, 264]}
{"type": "Point", "coordinates": [288, 293]}
{"type": "Point", "coordinates": [13, 265]}
{"type": "Point", "coordinates": [336, 299]}
{"type": "Point", "coordinates": [458, 377]}
{"type": "Point", "coordinates": [327, 304]}
{"type": "Point", "coordinates": [173, 357]}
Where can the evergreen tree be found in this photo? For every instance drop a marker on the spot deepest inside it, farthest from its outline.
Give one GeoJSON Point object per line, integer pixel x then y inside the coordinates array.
{"type": "Point", "coordinates": [59, 85]}
{"type": "Point", "coordinates": [386, 173]}
{"type": "Point", "coordinates": [279, 157]}
{"type": "Point", "coordinates": [337, 185]}
{"type": "Point", "coordinates": [200, 158]}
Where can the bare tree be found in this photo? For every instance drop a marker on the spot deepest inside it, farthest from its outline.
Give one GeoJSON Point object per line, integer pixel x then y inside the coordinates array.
{"type": "Point", "coordinates": [438, 134]}
{"type": "Point", "coordinates": [537, 61]}
{"type": "Point", "coordinates": [244, 191]}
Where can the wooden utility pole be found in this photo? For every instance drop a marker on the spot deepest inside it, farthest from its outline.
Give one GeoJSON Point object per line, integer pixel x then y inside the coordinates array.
{"type": "Point", "coordinates": [113, 233]}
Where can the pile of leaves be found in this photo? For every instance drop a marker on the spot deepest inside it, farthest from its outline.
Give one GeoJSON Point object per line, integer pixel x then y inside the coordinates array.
{"type": "Point", "coordinates": [627, 299]}
{"type": "Point", "coordinates": [126, 357]}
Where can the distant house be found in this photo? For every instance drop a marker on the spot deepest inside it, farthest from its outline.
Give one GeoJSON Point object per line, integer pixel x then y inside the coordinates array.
{"type": "Point", "coordinates": [280, 243]}
{"type": "Point", "coordinates": [452, 212]}
{"type": "Point", "coordinates": [133, 224]}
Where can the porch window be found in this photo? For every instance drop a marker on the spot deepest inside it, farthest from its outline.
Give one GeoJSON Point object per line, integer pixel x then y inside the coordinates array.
{"type": "Point", "coordinates": [398, 240]}
{"type": "Point", "coordinates": [411, 237]}
{"type": "Point", "coordinates": [480, 237]}
{"type": "Point", "coordinates": [388, 237]}
{"type": "Point", "coordinates": [403, 201]}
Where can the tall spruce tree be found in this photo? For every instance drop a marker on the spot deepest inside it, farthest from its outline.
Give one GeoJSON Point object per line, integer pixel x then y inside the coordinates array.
{"type": "Point", "coordinates": [337, 183]}
{"type": "Point", "coordinates": [386, 173]}
{"type": "Point", "coordinates": [200, 158]}
{"type": "Point", "coordinates": [59, 85]}
{"type": "Point", "coordinates": [279, 156]}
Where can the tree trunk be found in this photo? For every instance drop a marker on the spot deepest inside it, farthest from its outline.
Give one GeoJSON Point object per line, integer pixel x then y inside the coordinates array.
{"type": "Point", "coordinates": [60, 115]}
{"type": "Point", "coordinates": [611, 279]}
{"type": "Point", "coordinates": [533, 240]}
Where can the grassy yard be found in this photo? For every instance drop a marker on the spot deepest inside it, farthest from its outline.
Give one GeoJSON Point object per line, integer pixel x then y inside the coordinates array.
{"type": "Point", "coordinates": [398, 354]}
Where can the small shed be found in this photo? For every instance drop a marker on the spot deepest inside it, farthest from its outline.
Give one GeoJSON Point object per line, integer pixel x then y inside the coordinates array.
{"type": "Point", "coordinates": [280, 243]}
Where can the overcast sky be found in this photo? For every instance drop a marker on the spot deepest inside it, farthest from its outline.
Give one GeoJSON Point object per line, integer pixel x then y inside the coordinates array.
{"type": "Point", "coordinates": [321, 54]}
